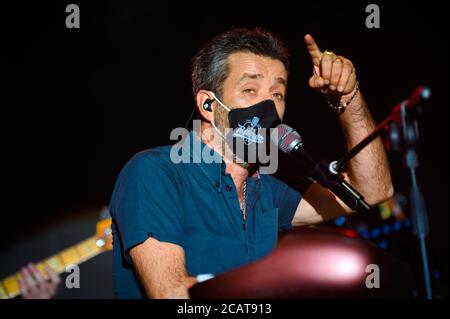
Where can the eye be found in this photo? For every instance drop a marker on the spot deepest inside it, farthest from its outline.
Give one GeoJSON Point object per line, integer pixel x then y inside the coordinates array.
{"type": "Point", "coordinates": [249, 91]}
{"type": "Point", "coordinates": [278, 96]}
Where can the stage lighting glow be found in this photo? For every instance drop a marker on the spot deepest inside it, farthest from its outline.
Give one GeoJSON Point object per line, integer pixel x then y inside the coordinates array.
{"type": "Point", "coordinates": [340, 221]}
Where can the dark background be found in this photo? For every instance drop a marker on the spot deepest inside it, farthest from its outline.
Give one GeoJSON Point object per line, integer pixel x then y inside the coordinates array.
{"type": "Point", "coordinates": [78, 103]}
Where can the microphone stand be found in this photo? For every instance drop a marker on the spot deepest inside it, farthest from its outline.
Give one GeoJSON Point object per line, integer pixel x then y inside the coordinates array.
{"type": "Point", "coordinates": [405, 143]}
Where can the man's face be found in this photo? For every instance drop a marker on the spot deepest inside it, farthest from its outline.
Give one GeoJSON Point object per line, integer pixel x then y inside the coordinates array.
{"type": "Point", "coordinates": [252, 79]}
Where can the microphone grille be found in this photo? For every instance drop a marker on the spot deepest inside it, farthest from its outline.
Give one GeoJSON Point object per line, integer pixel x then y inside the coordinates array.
{"type": "Point", "coordinates": [287, 138]}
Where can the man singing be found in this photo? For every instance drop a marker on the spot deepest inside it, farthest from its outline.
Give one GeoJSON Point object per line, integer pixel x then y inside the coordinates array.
{"type": "Point", "coordinates": [173, 221]}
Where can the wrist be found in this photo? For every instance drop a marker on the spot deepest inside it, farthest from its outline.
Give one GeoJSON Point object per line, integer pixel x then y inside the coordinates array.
{"type": "Point", "coordinates": [340, 102]}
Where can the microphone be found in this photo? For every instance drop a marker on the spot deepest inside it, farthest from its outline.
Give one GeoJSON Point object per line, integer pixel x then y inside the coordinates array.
{"type": "Point", "coordinates": [290, 142]}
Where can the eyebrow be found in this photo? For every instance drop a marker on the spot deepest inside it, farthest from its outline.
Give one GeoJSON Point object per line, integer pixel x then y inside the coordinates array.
{"type": "Point", "coordinates": [255, 76]}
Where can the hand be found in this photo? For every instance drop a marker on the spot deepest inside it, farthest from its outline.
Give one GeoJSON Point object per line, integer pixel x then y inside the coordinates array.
{"type": "Point", "coordinates": [332, 74]}
{"type": "Point", "coordinates": [34, 286]}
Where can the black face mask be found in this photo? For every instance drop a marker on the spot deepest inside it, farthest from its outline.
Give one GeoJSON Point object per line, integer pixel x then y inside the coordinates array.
{"type": "Point", "coordinates": [250, 132]}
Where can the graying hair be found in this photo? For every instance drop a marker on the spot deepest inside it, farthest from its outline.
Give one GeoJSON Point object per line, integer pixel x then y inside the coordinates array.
{"type": "Point", "coordinates": [209, 66]}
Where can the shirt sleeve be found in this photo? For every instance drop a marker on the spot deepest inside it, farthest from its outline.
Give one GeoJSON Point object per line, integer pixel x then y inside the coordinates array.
{"type": "Point", "coordinates": [146, 203]}
{"type": "Point", "coordinates": [287, 200]}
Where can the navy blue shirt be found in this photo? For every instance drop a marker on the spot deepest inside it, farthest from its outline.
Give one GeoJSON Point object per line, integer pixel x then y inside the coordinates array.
{"type": "Point", "coordinates": [196, 206]}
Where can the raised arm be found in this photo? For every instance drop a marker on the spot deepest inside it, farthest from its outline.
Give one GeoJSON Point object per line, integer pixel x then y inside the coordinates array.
{"type": "Point", "coordinates": [368, 172]}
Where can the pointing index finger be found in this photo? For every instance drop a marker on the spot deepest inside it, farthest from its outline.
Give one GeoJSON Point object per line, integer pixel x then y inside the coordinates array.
{"type": "Point", "coordinates": [313, 49]}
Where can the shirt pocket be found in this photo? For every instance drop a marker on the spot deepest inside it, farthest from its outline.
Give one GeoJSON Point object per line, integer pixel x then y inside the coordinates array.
{"type": "Point", "coordinates": [266, 232]}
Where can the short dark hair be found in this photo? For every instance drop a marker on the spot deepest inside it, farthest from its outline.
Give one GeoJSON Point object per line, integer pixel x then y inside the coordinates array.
{"type": "Point", "coordinates": [209, 66]}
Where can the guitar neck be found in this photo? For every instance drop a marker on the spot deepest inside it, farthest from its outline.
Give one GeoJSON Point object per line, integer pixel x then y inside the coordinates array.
{"type": "Point", "coordinates": [74, 255]}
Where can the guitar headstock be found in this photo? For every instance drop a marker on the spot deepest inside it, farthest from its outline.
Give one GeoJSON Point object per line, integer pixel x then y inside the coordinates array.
{"type": "Point", "coordinates": [104, 234]}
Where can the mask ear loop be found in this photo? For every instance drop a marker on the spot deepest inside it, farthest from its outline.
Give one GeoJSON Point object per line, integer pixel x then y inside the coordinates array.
{"type": "Point", "coordinates": [193, 110]}
{"type": "Point", "coordinates": [225, 107]}
{"type": "Point", "coordinates": [215, 127]}
{"type": "Point", "coordinates": [220, 102]}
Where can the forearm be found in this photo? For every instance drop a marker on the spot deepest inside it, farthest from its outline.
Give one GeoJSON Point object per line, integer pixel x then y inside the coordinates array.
{"type": "Point", "coordinates": [170, 289]}
{"type": "Point", "coordinates": [161, 269]}
{"type": "Point", "coordinates": [369, 170]}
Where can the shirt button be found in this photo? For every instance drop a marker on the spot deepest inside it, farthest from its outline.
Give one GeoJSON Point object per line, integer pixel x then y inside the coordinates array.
{"type": "Point", "coordinates": [217, 184]}
{"type": "Point", "coordinates": [228, 188]}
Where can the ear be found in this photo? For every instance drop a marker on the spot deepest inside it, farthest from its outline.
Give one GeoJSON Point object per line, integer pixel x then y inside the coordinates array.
{"type": "Point", "coordinates": [201, 98]}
